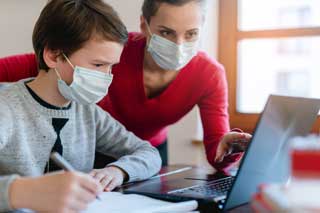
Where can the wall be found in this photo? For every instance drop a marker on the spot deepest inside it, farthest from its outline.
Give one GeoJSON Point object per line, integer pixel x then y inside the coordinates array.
{"type": "Point", "coordinates": [18, 17]}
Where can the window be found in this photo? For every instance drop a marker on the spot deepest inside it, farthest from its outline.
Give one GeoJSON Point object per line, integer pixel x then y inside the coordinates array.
{"type": "Point", "coordinates": [268, 47]}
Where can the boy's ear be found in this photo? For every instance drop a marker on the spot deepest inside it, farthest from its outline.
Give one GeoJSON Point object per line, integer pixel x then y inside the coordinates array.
{"type": "Point", "coordinates": [51, 57]}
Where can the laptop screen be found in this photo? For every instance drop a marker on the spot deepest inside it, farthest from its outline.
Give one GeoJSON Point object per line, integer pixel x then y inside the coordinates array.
{"type": "Point", "coordinates": [266, 159]}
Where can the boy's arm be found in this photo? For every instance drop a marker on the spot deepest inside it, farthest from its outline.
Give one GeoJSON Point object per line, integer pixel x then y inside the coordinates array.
{"type": "Point", "coordinates": [136, 157]}
{"type": "Point", "coordinates": [56, 192]}
{"type": "Point", "coordinates": [6, 126]}
{"type": "Point", "coordinates": [53, 192]}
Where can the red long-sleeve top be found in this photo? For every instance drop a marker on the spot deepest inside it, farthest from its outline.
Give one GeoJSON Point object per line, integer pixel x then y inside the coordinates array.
{"type": "Point", "coordinates": [202, 82]}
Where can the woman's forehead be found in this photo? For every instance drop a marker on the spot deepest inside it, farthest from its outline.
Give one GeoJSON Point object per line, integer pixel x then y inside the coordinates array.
{"type": "Point", "coordinates": [188, 16]}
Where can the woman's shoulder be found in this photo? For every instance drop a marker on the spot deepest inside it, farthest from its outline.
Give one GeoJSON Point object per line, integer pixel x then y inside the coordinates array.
{"type": "Point", "coordinates": [132, 53]}
{"type": "Point", "coordinates": [135, 40]}
{"type": "Point", "coordinates": [205, 66]}
{"type": "Point", "coordinates": [208, 62]}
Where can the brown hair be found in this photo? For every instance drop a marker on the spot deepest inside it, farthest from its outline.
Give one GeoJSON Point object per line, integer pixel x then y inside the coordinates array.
{"type": "Point", "coordinates": [65, 25]}
{"type": "Point", "coordinates": [150, 7]}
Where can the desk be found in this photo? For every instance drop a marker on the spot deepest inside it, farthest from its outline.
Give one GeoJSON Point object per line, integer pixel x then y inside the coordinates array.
{"type": "Point", "coordinates": [197, 172]}
{"type": "Point", "coordinates": [200, 172]}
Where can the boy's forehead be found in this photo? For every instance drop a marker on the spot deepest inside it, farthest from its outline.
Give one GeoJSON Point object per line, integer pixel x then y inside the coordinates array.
{"type": "Point", "coordinates": [102, 49]}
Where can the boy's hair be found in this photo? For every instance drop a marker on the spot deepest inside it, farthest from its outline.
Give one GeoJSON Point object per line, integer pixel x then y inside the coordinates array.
{"type": "Point", "coordinates": [65, 26]}
{"type": "Point", "coordinates": [150, 7]}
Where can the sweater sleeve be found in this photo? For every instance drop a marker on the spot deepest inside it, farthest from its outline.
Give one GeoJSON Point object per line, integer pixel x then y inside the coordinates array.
{"type": "Point", "coordinates": [215, 119]}
{"type": "Point", "coordinates": [5, 182]}
{"type": "Point", "coordinates": [137, 157]}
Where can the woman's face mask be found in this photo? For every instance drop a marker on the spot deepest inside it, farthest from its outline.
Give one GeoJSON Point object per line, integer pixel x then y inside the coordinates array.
{"type": "Point", "coordinates": [88, 86]}
{"type": "Point", "coordinates": [169, 55]}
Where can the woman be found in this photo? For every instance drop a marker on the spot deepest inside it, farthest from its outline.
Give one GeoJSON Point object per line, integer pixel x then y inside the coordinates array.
{"type": "Point", "coordinates": [162, 76]}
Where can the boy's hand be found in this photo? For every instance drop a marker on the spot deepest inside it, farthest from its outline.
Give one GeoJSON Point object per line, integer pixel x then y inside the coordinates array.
{"type": "Point", "coordinates": [56, 192]}
{"type": "Point", "coordinates": [109, 177]}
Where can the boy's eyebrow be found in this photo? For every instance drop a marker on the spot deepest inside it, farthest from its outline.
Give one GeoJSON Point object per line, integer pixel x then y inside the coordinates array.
{"type": "Point", "coordinates": [102, 61]}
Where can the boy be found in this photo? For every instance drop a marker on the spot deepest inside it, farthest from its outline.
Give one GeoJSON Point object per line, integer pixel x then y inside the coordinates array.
{"type": "Point", "coordinates": [76, 43]}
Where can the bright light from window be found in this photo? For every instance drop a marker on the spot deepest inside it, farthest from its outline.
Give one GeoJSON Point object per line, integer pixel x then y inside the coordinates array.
{"type": "Point", "coordinates": [277, 14]}
{"type": "Point", "coordinates": [289, 66]}
{"type": "Point", "coordinates": [286, 66]}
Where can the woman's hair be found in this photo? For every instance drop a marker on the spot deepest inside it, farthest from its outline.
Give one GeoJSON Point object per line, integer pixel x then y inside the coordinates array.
{"type": "Point", "coordinates": [150, 7]}
{"type": "Point", "coordinates": [66, 25]}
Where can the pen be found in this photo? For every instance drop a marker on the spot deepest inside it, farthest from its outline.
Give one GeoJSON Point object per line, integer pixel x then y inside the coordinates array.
{"type": "Point", "coordinates": [65, 165]}
{"type": "Point", "coordinates": [172, 172]}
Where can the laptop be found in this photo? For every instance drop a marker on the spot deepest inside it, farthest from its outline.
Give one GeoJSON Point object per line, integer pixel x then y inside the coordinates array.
{"type": "Point", "coordinates": [266, 160]}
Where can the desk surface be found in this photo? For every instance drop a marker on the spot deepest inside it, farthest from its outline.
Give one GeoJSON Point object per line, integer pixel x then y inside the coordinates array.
{"type": "Point", "coordinates": [241, 209]}
{"type": "Point", "coordinates": [201, 172]}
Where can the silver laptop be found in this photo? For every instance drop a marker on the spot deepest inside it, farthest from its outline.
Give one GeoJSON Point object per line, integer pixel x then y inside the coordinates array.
{"type": "Point", "coordinates": [265, 160]}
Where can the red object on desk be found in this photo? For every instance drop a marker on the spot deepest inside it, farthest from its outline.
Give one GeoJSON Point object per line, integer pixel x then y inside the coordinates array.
{"type": "Point", "coordinates": [305, 163]}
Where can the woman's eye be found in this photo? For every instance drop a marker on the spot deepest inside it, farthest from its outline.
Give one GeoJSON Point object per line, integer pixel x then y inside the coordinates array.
{"type": "Point", "coordinates": [165, 33]}
{"type": "Point", "coordinates": [192, 35]}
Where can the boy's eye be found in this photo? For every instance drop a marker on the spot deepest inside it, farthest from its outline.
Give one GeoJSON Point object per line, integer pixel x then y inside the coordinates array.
{"type": "Point", "coordinates": [98, 65]}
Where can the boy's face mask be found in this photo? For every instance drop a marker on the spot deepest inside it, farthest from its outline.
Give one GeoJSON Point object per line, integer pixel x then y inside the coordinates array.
{"type": "Point", "coordinates": [88, 86]}
{"type": "Point", "coordinates": [169, 55]}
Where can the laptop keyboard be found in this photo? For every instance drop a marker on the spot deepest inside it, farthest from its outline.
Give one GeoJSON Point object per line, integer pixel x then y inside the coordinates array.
{"type": "Point", "coordinates": [216, 188]}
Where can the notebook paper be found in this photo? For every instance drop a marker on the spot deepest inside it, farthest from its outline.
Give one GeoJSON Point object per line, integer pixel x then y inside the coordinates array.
{"type": "Point", "coordinates": [116, 202]}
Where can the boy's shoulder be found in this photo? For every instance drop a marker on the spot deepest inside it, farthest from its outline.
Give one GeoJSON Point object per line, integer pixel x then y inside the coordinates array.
{"type": "Point", "coordinates": [5, 85]}
{"type": "Point", "coordinates": [10, 94]}
{"type": "Point", "coordinates": [8, 89]}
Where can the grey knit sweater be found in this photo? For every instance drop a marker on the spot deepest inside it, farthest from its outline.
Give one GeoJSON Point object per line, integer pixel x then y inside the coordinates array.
{"type": "Point", "coordinates": [27, 137]}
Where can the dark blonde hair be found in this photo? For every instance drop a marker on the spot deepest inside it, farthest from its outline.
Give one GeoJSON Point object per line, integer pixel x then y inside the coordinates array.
{"type": "Point", "coordinates": [150, 7]}
{"type": "Point", "coordinates": [65, 26]}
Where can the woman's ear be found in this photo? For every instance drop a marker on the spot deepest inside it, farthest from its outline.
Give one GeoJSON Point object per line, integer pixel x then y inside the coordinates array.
{"type": "Point", "coordinates": [143, 27]}
{"type": "Point", "coordinates": [51, 57]}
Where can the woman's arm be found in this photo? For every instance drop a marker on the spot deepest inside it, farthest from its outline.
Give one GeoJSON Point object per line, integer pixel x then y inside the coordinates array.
{"type": "Point", "coordinates": [17, 67]}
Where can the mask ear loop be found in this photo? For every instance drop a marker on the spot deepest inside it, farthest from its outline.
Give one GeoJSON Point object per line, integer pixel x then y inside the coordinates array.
{"type": "Point", "coordinates": [110, 71]}
{"type": "Point", "coordinates": [59, 76]}
{"type": "Point", "coordinates": [67, 59]}
{"type": "Point", "coordinates": [149, 30]}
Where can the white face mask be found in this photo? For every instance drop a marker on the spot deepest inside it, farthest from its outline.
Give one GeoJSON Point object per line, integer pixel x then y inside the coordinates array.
{"type": "Point", "coordinates": [88, 86]}
{"type": "Point", "coordinates": [169, 55]}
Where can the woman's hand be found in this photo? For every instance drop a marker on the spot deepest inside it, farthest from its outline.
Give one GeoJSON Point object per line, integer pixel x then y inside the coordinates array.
{"type": "Point", "coordinates": [229, 141]}
{"type": "Point", "coordinates": [55, 192]}
{"type": "Point", "coordinates": [109, 177]}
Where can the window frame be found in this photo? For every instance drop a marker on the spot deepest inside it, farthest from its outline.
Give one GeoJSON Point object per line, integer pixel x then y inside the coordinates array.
{"type": "Point", "coordinates": [228, 37]}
